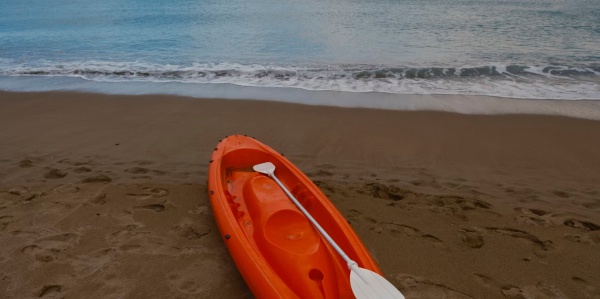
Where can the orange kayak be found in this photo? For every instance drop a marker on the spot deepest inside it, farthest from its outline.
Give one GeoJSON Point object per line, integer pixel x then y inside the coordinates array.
{"type": "Point", "coordinates": [274, 246]}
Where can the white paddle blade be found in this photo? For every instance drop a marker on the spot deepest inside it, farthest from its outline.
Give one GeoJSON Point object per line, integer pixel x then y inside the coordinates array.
{"type": "Point", "coordinates": [374, 287]}
{"type": "Point", "coordinates": [266, 168]}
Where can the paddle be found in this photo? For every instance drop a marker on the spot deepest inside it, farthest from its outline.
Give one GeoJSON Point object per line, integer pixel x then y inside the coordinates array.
{"type": "Point", "coordinates": [365, 283]}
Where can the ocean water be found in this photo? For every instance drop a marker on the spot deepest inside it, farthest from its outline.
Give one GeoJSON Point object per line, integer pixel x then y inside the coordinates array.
{"type": "Point", "coordinates": [542, 49]}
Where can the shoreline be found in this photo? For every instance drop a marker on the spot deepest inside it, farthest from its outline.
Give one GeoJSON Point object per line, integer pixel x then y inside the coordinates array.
{"type": "Point", "coordinates": [105, 195]}
{"type": "Point", "coordinates": [456, 103]}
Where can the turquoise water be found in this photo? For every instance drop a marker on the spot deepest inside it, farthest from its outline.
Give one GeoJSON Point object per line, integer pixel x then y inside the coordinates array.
{"type": "Point", "coordinates": [520, 48]}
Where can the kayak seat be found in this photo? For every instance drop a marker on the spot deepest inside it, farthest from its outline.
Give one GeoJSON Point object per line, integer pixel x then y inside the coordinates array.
{"type": "Point", "coordinates": [277, 218]}
{"type": "Point", "coordinates": [291, 231]}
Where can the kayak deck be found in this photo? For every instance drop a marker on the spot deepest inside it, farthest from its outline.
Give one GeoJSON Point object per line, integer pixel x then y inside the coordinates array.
{"type": "Point", "coordinates": [280, 249]}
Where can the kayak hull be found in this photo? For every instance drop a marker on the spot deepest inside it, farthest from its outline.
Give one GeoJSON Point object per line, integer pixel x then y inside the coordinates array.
{"type": "Point", "coordinates": [275, 248]}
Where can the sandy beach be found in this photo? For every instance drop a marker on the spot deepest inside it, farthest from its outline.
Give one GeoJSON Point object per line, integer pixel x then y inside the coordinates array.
{"type": "Point", "coordinates": [105, 196]}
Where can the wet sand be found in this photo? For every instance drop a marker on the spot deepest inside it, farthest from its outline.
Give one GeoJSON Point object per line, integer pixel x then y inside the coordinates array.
{"type": "Point", "coordinates": [105, 196]}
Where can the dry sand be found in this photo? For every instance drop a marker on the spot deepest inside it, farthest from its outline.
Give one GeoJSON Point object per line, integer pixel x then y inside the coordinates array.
{"type": "Point", "coordinates": [105, 196]}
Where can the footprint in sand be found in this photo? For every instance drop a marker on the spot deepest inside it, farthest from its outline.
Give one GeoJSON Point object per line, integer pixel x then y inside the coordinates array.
{"type": "Point", "coordinates": [128, 238]}
{"type": "Point", "coordinates": [55, 173]}
{"type": "Point", "coordinates": [538, 217]}
{"type": "Point", "coordinates": [322, 170]}
{"type": "Point", "coordinates": [19, 191]}
{"type": "Point", "coordinates": [98, 199]}
{"type": "Point", "coordinates": [541, 247]}
{"type": "Point", "coordinates": [30, 249]}
{"type": "Point", "coordinates": [149, 192]}
{"type": "Point", "coordinates": [582, 224]}
{"type": "Point", "coordinates": [395, 229]}
{"type": "Point", "coordinates": [357, 216]}
{"type": "Point", "coordinates": [50, 291]}
{"type": "Point", "coordinates": [440, 204]}
{"type": "Point", "coordinates": [456, 205]}
{"type": "Point", "coordinates": [190, 230]}
{"type": "Point", "coordinates": [24, 193]}
{"type": "Point", "coordinates": [47, 249]}
{"type": "Point", "coordinates": [416, 287]}
{"type": "Point", "coordinates": [400, 230]}
{"type": "Point", "coordinates": [325, 187]}
{"type": "Point", "coordinates": [156, 196]}
{"type": "Point", "coordinates": [387, 192]}
{"type": "Point", "coordinates": [472, 238]}
{"type": "Point", "coordinates": [201, 209]}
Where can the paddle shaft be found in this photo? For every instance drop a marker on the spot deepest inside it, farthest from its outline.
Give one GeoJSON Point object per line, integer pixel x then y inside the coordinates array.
{"type": "Point", "coordinates": [314, 222]}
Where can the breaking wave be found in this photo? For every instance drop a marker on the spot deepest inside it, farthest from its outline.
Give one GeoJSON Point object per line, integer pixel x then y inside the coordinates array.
{"type": "Point", "coordinates": [516, 81]}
